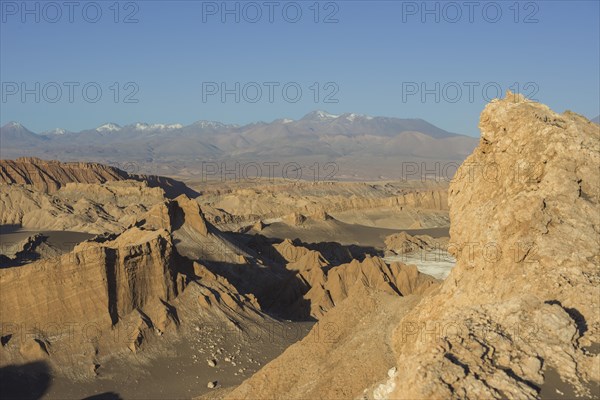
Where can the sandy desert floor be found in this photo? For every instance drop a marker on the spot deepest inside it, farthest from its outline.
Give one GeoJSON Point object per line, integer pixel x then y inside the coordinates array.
{"type": "Point", "coordinates": [180, 370]}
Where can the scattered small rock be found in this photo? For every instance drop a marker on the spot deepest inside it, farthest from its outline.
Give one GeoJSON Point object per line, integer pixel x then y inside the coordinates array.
{"type": "Point", "coordinates": [392, 372]}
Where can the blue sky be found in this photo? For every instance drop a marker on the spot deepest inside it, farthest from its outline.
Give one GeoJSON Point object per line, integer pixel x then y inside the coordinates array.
{"type": "Point", "coordinates": [375, 60]}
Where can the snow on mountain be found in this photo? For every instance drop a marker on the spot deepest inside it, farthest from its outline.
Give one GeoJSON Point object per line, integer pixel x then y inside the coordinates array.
{"type": "Point", "coordinates": [142, 126]}
{"type": "Point", "coordinates": [319, 115]}
{"type": "Point", "coordinates": [56, 131]}
{"type": "Point", "coordinates": [16, 128]}
{"type": "Point", "coordinates": [352, 116]}
{"type": "Point", "coordinates": [14, 125]}
{"type": "Point", "coordinates": [110, 127]}
{"type": "Point", "coordinates": [16, 135]}
{"type": "Point", "coordinates": [202, 124]}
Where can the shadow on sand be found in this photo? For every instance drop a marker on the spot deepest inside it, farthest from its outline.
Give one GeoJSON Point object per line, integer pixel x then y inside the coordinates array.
{"type": "Point", "coordinates": [105, 396]}
{"type": "Point", "coordinates": [28, 381]}
{"type": "Point", "coordinates": [9, 228]}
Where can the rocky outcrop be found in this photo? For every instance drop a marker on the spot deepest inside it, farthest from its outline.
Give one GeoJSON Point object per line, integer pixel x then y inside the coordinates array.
{"type": "Point", "coordinates": [94, 208]}
{"type": "Point", "coordinates": [318, 286]}
{"type": "Point", "coordinates": [404, 243]}
{"type": "Point", "coordinates": [50, 176]}
{"type": "Point", "coordinates": [372, 273]}
{"type": "Point", "coordinates": [115, 292]}
{"type": "Point", "coordinates": [28, 249]}
{"type": "Point", "coordinates": [97, 282]}
{"type": "Point", "coordinates": [294, 219]}
{"type": "Point", "coordinates": [218, 291]}
{"type": "Point", "coordinates": [522, 304]}
{"type": "Point", "coordinates": [105, 297]}
{"type": "Point", "coordinates": [191, 215]}
{"type": "Point", "coordinates": [318, 200]}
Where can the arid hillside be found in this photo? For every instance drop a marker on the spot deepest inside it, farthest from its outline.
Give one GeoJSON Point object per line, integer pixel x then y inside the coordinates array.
{"type": "Point", "coordinates": [49, 176]}
{"type": "Point", "coordinates": [518, 317]}
{"type": "Point", "coordinates": [88, 248]}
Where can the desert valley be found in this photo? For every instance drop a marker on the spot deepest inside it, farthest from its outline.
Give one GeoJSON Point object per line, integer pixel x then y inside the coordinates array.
{"type": "Point", "coordinates": [386, 280]}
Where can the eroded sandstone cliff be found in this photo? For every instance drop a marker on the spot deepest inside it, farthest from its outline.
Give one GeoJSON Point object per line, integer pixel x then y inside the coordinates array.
{"type": "Point", "coordinates": [518, 317]}
{"type": "Point", "coordinates": [48, 176]}
{"type": "Point", "coordinates": [523, 302]}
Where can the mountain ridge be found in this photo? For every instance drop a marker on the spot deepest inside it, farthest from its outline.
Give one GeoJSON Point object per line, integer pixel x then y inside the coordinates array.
{"type": "Point", "coordinates": [313, 116]}
{"type": "Point", "coordinates": [362, 147]}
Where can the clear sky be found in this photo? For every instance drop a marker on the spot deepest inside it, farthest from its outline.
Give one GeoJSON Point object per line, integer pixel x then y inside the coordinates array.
{"type": "Point", "coordinates": [373, 57]}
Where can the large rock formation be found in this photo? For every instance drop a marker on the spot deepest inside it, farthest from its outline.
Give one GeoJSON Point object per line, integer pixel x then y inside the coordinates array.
{"type": "Point", "coordinates": [318, 200]}
{"type": "Point", "coordinates": [523, 303]}
{"type": "Point", "coordinates": [70, 308]}
{"type": "Point", "coordinates": [374, 273]}
{"type": "Point", "coordinates": [97, 282]}
{"type": "Point", "coordinates": [153, 258]}
{"type": "Point", "coordinates": [403, 243]}
{"type": "Point", "coordinates": [317, 286]}
{"type": "Point", "coordinates": [94, 208]}
{"type": "Point", "coordinates": [50, 176]}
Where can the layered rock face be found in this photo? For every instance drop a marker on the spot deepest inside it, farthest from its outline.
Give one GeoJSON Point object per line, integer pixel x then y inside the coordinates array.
{"type": "Point", "coordinates": [403, 243]}
{"type": "Point", "coordinates": [94, 208]}
{"type": "Point", "coordinates": [49, 176]}
{"type": "Point", "coordinates": [374, 273]}
{"type": "Point", "coordinates": [523, 303]}
{"type": "Point", "coordinates": [282, 203]}
{"type": "Point", "coordinates": [318, 286]}
{"type": "Point", "coordinates": [97, 282]}
{"type": "Point", "coordinates": [316, 200]}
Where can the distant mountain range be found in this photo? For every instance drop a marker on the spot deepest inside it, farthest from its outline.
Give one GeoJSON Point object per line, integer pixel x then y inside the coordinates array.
{"type": "Point", "coordinates": [358, 142]}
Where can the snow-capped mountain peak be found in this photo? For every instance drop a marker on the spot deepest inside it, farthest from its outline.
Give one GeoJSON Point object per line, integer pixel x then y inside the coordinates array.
{"type": "Point", "coordinates": [319, 115]}
{"type": "Point", "coordinates": [15, 127]}
{"type": "Point", "coordinates": [109, 127]}
{"type": "Point", "coordinates": [212, 124]}
{"type": "Point", "coordinates": [56, 131]}
{"type": "Point", "coordinates": [352, 117]}
{"type": "Point", "coordinates": [207, 124]}
{"type": "Point", "coordinates": [142, 126]}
